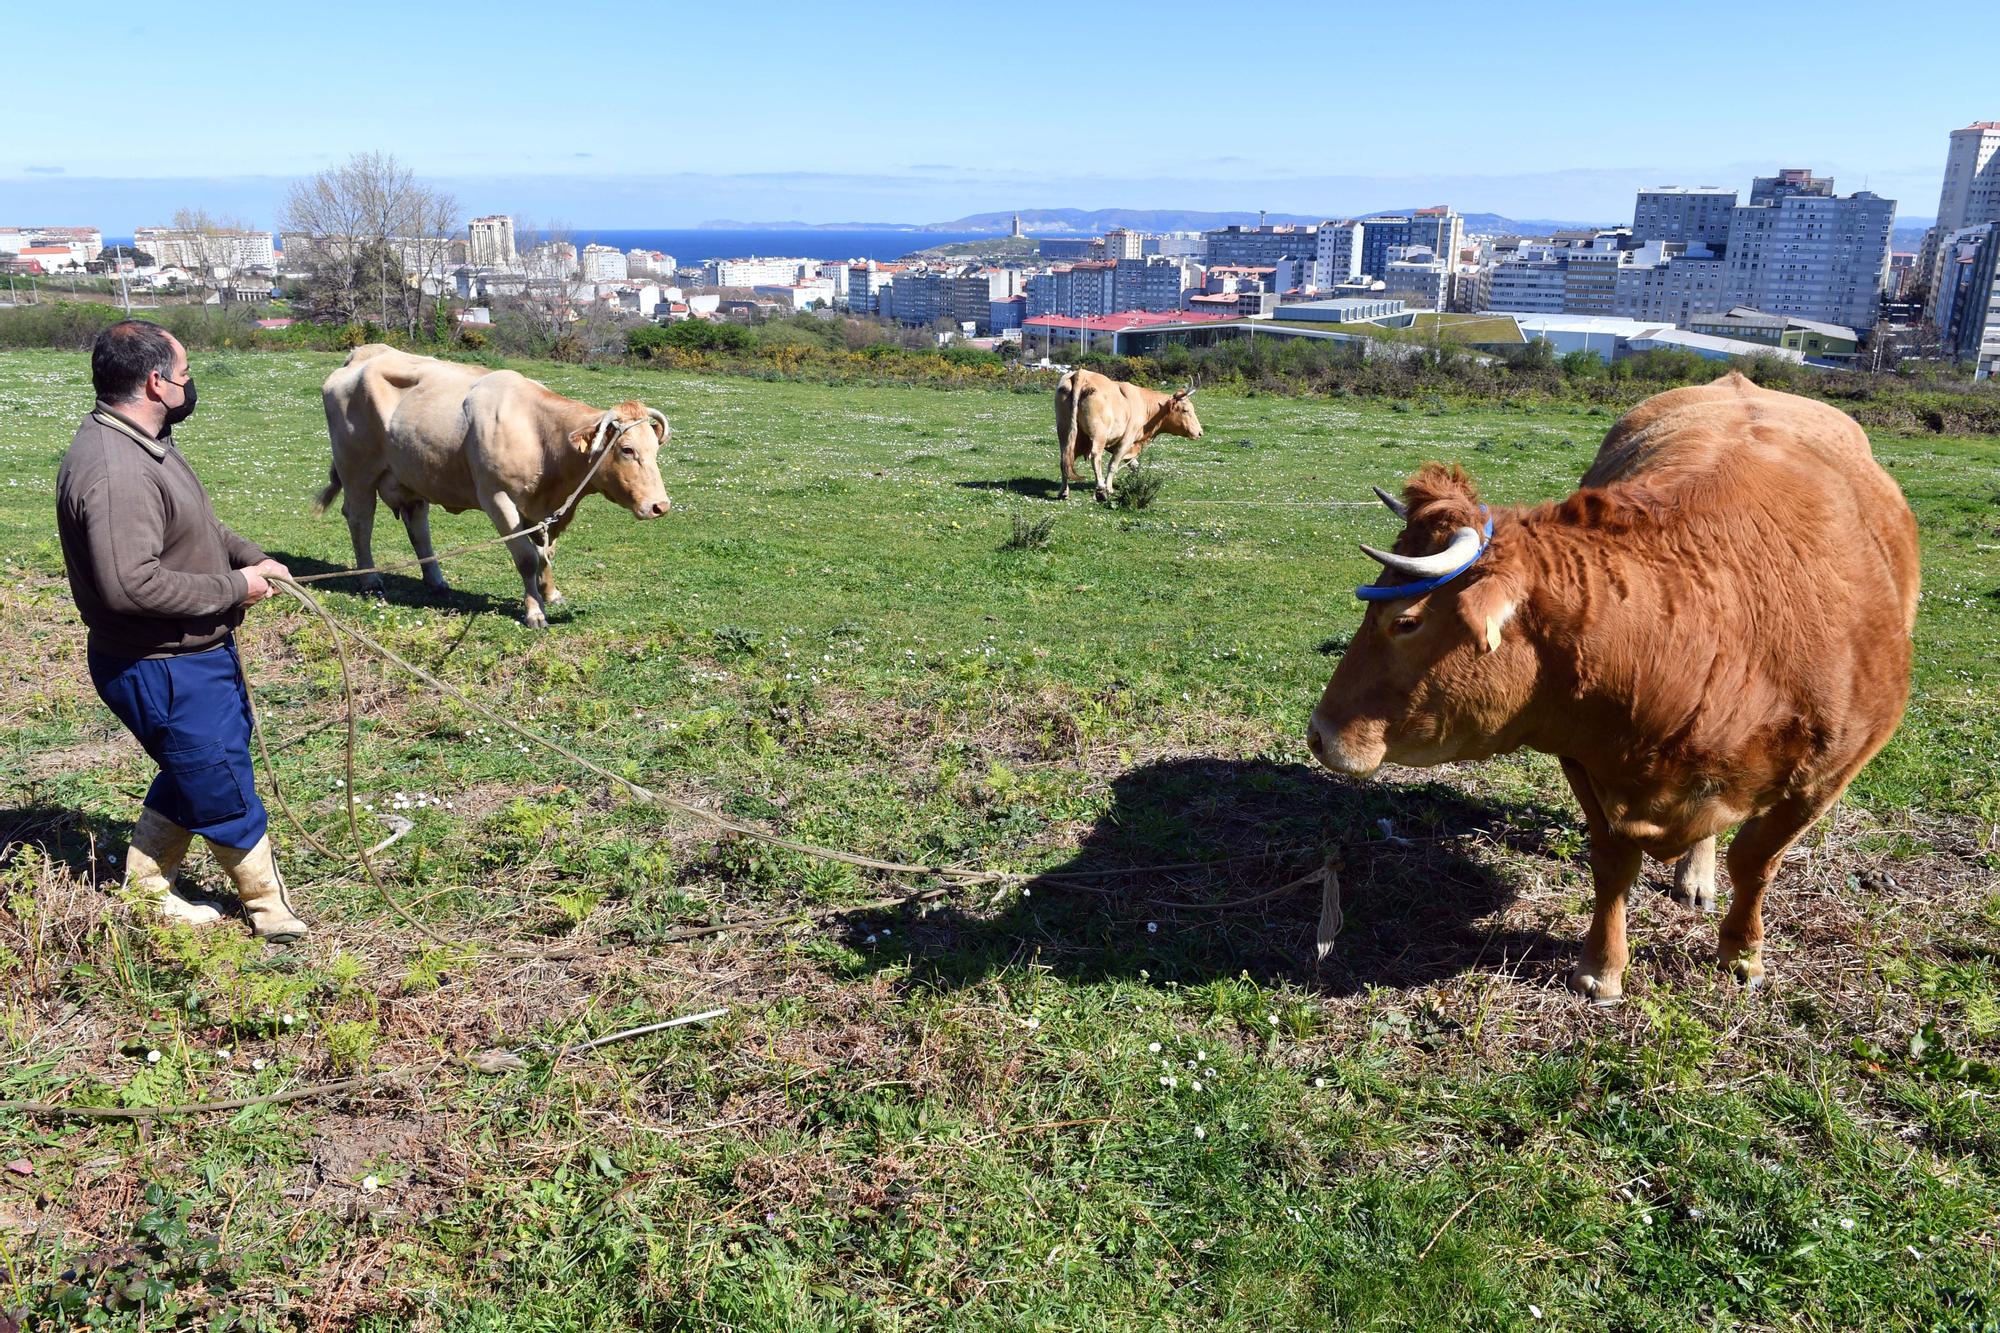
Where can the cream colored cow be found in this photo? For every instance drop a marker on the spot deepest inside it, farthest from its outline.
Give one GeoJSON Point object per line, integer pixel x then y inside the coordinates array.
{"type": "Point", "coordinates": [418, 432]}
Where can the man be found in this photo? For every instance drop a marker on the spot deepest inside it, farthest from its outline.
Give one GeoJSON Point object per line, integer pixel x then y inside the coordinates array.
{"type": "Point", "coordinates": [161, 585]}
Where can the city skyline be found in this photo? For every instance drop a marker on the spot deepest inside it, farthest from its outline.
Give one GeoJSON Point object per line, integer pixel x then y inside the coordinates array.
{"type": "Point", "coordinates": [772, 122]}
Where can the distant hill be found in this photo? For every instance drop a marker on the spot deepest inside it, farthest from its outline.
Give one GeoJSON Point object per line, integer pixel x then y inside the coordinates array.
{"type": "Point", "coordinates": [734, 224]}
{"type": "Point", "coordinates": [1909, 233]}
{"type": "Point", "coordinates": [1097, 221]}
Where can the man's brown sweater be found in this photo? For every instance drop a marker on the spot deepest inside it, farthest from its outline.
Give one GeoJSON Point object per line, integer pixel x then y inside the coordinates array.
{"type": "Point", "coordinates": [153, 571]}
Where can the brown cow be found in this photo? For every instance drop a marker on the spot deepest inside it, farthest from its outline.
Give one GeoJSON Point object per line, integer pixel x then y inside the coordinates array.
{"type": "Point", "coordinates": [1714, 630]}
{"type": "Point", "coordinates": [1111, 414]}
{"type": "Point", "coordinates": [418, 431]}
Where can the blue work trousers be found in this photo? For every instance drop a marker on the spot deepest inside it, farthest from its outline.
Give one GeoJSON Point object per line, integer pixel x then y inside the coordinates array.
{"type": "Point", "coordinates": [192, 715]}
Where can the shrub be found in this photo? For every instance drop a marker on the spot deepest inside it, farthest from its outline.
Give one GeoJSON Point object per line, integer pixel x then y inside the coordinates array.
{"type": "Point", "coordinates": [1142, 485]}
{"type": "Point", "coordinates": [1030, 534]}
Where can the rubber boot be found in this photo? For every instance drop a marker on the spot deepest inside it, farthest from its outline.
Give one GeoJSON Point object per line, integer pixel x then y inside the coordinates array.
{"type": "Point", "coordinates": [254, 872]}
{"type": "Point", "coordinates": [158, 844]}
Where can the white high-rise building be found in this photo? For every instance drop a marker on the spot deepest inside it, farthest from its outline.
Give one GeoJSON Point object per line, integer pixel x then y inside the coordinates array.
{"type": "Point", "coordinates": [604, 263]}
{"type": "Point", "coordinates": [1337, 258]}
{"type": "Point", "coordinates": [757, 272]}
{"type": "Point", "coordinates": [225, 248]}
{"type": "Point", "coordinates": [649, 264]}
{"type": "Point", "coordinates": [1970, 198]}
{"type": "Point", "coordinates": [1971, 193]}
{"type": "Point", "coordinates": [490, 241]}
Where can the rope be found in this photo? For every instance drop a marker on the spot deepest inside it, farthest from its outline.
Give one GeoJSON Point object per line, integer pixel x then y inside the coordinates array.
{"type": "Point", "coordinates": [951, 874]}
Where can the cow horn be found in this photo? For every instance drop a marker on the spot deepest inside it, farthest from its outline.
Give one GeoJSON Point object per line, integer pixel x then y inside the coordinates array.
{"type": "Point", "coordinates": [1396, 507]}
{"type": "Point", "coordinates": [604, 425]}
{"type": "Point", "coordinates": [1463, 547]}
{"type": "Point", "coordinates": [661, 417]}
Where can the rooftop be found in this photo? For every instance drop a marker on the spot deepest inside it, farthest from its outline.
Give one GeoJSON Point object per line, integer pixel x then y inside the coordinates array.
{"type": "Point", "coordinates": [1119, 321]}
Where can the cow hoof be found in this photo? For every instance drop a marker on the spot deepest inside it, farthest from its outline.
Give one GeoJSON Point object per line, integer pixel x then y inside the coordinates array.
{"type": "Point", "coordinates": [1747, 969]}
{"type": "Point", "coordinates": [555, 598]}
{"type": "Point", "coordinates": [373, 588]}
{"type": "Point", "coordinates": [1104, 497]}
{"type": "Point", "coordinates": [1603, 992]}
{"type": "Point", "coordinates": [437, 587]}
{"type": "Point", "coordinates": [1700, 897]}
{"type": "Point", "coordinates": [536, 620]}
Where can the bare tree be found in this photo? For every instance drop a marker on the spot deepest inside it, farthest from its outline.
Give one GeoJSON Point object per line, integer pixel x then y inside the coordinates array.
{"type": "Point", "coordinates": [210, 247]}
{"type": "Point", "coordinates": [552, 307]}
{"type": "Point", "coordinates": [372, 230]}
{"type": "Point", "coordinates": [426, 222]}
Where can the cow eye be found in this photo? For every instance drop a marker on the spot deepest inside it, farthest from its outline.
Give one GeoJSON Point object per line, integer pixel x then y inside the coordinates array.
{"type": "Point", "coordinates": [628, 451]}
{"type": "Point", "coordinates": [1406, 625]}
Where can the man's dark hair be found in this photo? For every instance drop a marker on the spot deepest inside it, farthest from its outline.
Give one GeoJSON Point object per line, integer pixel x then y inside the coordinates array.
{"type": "Point", "coordinates": [124, 354]}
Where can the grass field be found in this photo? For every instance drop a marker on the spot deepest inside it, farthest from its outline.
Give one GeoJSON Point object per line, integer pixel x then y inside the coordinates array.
{"type": "Point", "coordinates": [1129, 1103]}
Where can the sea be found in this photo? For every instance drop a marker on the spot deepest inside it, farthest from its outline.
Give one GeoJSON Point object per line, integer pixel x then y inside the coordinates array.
{"type": "Point", "coordinates": [693, 247]}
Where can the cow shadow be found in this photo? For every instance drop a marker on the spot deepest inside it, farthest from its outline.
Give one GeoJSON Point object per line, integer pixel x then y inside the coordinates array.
{"type": "Point", "coordinates": [406, 588]}
{"type": "Point", "coordinates": [1417, 908]}
{"type": "Point", "coordinates": [1035, 488]}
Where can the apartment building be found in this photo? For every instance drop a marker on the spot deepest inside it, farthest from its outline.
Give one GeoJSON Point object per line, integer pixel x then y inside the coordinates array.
{"type": "Point", "coordinates": [1971, 193]}
{"type": "Point", "coordinates": [1152, 284]}
{"type": "Point", "coordinates": [1337, 258]}
{"type": "Point", "coordinates": [1970, 197]}
{"type": "Point", "coordinates": [1693, 216]}
{"type": "Point", "coordinates": [1530, 283]}
{"type": "Point", "coordinates": [755, 271]}
{"type": "Point", "coordinates": [84, 244]}
{"type": "Point", "coordinates": [1967, 301]}
{"type": "Point", "coordinates": [1122, 244]}
{"type": "Point", "coordinates": [1265, 246]}
{"type": "Point", "coordinates": [1661, 281]}
{"type": "Point", "coordinates": [649, 264]}
{"type": "Point", "coordinates": [490, 241]}
{"type": "Point", "coordinates": [865, 281]}
{"type": "Point", "coordinates": [1787, 184]}
{"type": "Point", "coordinates": [217, 248]}
{"type": "Point", "coordinates": [605, 263]}
{"type": "Point", "coordinates": [1078, 290]}
{"type": "Point", "coordinates": [1809, 252]}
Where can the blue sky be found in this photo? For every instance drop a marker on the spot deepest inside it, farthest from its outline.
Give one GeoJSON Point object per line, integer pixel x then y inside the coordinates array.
{"type": "Point", "coordinates": [630, 114]}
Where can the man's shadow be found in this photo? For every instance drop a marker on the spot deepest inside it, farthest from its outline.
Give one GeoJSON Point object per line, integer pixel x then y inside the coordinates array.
{"type": "Point", "coordinates": [67, 837]}
{"type": "Point", "coordinates": [1037, 488]}
{"type": "Point", "coordinates": [1417, 908]}
{"type": "Point", "coordinates": [404, 588]}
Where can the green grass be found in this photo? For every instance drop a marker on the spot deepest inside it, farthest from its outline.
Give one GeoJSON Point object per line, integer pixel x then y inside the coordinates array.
{"type": "Point", "coordinates": [953, 1114]}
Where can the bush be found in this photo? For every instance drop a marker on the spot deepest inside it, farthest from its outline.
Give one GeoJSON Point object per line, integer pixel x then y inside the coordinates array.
{"type": "Point", "coordinates": [1030, 534]}
{"type": "Point", "coordinates": [1142, 485]}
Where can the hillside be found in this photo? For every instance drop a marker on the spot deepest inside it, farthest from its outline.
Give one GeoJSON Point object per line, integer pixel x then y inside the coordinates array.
{"type": "Point", "coordinates": [1112, 1092]}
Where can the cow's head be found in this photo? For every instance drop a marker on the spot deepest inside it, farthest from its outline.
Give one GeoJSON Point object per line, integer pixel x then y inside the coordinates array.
{"type": "Point", "coordinates": [1179, 418]}
{"type": "Point", "coordinates": [1435, 676]}
{"type": "Point", "coordinates": [632, 434]}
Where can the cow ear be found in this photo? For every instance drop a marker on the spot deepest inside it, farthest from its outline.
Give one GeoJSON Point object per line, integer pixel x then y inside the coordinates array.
{"type": "Point", "coordinates": [1486, 607]}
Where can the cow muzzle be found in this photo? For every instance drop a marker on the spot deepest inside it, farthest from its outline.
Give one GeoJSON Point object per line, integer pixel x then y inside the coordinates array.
{"type": "Point", "coordinates": [1339, 755]}
{"type": "Point", "coordinates": [646, 509]}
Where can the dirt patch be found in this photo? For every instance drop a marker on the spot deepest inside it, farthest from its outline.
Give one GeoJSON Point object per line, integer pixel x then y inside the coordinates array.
{"type": "Point", "coordinates": [47, 764]}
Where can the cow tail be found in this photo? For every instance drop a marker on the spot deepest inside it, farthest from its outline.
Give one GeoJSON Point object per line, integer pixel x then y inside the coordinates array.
{"type": "Point", "coordinates": [1075, 402]}
{"type": "Point", "coordinates": [325, 497]}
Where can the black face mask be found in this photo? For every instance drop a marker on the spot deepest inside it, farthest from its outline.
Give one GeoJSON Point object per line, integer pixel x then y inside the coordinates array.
{"type": "Point", "coordinates": [176, 415]}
